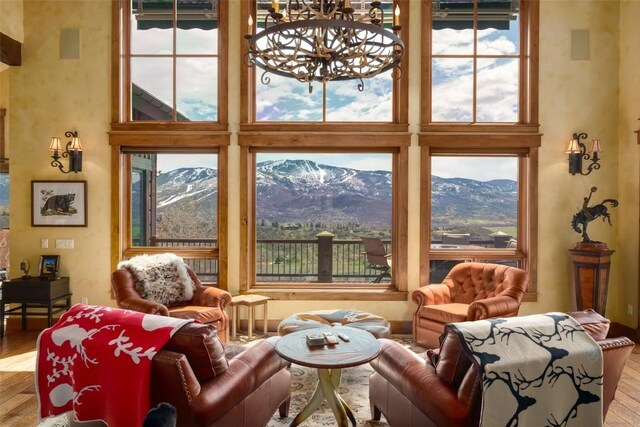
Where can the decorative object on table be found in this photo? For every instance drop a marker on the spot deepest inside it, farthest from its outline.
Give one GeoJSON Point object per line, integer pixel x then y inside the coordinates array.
{"type": "Point", "coordinates": [577, 152]}
{"type": "Point", "coordinates": [49, 266]}
{"type": "Point", "coordinates": [591, 259]}
{"type": "Point", "coordinates": [25, 266]}
{"type": "Point", "coordinates": [58, 203]}
{"type": "Point", "coordinates": [324, 41]}
{"type": "Point", "coordinates": [588, 213]}
{"type": "Point", "coordinates": [72, 150]}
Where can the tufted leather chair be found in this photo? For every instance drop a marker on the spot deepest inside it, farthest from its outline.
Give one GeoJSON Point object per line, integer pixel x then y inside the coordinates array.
{"type": "Point", "coordinates": [471, 291]}
{"type": "Point", "coordinates": [442, 387]}
{"type": "Point", "coordinates": [207, 306]}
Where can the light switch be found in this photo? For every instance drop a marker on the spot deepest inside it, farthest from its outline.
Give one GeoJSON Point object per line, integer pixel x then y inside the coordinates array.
{"type": "Point", "coordinates": [64, 243]}
{"type": "Point", "coordinates": [44, 243]}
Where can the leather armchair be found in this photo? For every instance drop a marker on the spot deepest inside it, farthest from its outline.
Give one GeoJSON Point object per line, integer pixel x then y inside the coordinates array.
{"type": "Point", "coordinates": [207, 306]}
{"type": "Point", "coordinates": [471, 291]}
{"type": "Point", "coordinates": [213, 386]}
{"type": "Point", "coordinates": [414, 390]}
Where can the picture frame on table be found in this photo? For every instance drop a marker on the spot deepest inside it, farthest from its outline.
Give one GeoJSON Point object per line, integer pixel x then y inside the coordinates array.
{"type": "Point", "coordinates": [58, 203]}
{"type": "Point", "coordinates": [49, 266]}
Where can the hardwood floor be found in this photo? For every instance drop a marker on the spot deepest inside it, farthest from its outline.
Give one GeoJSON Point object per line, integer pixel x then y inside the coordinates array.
{"type": "Point", "coordinates": [19, 405]}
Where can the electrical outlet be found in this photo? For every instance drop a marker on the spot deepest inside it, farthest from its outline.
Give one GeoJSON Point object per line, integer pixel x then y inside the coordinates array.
{"type": "Point", "coordinates": [64, 243]}
{"type": "Point", "coordinates": [44, 243]}
{"type": "Point", "coordinates": [84, 300]}
{"type": "Point", "coordinates": [630, 309]}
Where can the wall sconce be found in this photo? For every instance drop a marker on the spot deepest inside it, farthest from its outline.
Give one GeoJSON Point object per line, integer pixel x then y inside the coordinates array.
{"type": "Point", "coordinates": [577, 152]}
{"type": "Point", "coordinates": [73, 150]}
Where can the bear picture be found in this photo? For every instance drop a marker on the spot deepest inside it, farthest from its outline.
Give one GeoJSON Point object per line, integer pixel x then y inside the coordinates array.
{"type": "Point", "coordinates": [59, 203]}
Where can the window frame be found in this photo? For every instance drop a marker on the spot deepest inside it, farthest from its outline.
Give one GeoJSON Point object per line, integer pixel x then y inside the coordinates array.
{"type": "Point", "coordinates": [163, 135]}
{"type": "Point", "coordinates": [397, 145]}
{"type": "Point", "coordinates": [521, 138]}
{"type": "Point", "coordinates": [528, 77]}
{"type": "Point", "coordinates": [400, 101]}
{"type": "Point", "coordinates": [121, 76]}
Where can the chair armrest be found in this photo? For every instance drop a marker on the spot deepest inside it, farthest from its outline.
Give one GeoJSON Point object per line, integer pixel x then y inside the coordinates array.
{"type": "Point", "coordinates": [615, 353]}
{"type": "Point", "coordinates": [246, 373]}
{"type": "Point", "coordinates": [210, 296]}
{"type": "Point", "coordinates": [417, 380]}
{"type": "Point", "coordinates": [144, 306]}
{"type": "Point", "coordinates": [431, 295]}
{"type": "Point", "coordinates": [492, 307]}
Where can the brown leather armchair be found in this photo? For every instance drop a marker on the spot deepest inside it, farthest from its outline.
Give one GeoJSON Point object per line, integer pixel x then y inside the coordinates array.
{"type": "Point", "coordinates": [212, 387]}
{"type": "Point", "coordinates": [207, 306]}
{"type": "Point", "coordinates": [412, 390]}
{"type": "Point", "coordinates": [471, 291]}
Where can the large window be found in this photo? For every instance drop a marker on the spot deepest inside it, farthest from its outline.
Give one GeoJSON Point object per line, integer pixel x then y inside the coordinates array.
{"type": "Point", "coordinates": [313, 211]}
{"type": "Point", "coordinates": [479, 137]}
{"type": "Point", "coordinates": [169, 132]}
{"type": "Point", "coordinates": [172, 69]}
{"type": "Point", "coordinates": [281, 101]}
{"type": "Point", "coordinates": [325, 221]}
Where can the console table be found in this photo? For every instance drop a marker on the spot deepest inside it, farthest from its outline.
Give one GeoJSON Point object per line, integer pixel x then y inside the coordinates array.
{"type": "Point", "coordinates": [35, 295]}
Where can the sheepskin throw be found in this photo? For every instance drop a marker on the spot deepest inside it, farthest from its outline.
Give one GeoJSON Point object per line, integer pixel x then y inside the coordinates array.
{"type": "Point", "coordinates": [161, 278]}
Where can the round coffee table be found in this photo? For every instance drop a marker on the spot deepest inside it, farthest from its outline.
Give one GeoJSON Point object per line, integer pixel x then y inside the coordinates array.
{"type": "Point", "coordinates": [329, 360]}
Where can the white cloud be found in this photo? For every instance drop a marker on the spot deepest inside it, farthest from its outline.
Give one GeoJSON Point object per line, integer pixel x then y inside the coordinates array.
{"type": "Point", "coordinates": [478, 168]}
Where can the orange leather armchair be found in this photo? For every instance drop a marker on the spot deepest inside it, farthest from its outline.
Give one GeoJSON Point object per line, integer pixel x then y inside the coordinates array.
{"type": "Point", "coordinates": [471, 291]}
{"type": "Point", "coordinates": [207, 305]}
{"type": "Point", "coordinates": [412, 390]}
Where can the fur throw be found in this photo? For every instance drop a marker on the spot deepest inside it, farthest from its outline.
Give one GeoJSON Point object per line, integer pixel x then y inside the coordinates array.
{"type": "Point", "coordinates": [161, 278]}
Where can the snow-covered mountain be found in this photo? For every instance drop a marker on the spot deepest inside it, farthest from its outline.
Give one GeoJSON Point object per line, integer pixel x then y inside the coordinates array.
{"type": "Point", "coordinates": [302, 190]}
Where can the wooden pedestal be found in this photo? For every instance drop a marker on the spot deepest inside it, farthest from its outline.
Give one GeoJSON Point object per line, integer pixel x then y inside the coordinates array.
{"type": "Point", "coordinates": [591, 266]}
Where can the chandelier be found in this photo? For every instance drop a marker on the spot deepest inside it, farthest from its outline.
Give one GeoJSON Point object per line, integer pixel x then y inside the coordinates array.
{"type": "Point", "coordinates": [324, 40]}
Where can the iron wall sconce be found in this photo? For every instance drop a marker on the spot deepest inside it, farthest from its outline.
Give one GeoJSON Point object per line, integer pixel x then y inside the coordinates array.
{"type": "Point", "coordinates": [577, 151]}
{"type": "Point", "coordinates": [72, 150]}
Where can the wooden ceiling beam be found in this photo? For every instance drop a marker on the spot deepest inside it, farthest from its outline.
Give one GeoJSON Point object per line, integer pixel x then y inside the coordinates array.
{"type": "Point", "coordinates": [10, 50]}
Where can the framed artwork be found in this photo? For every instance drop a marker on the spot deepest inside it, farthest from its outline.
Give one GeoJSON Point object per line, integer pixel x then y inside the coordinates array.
{"type": "Point", "coordinates": [49, 265]}
{"type": "Point", "coordinates": [58, 203]}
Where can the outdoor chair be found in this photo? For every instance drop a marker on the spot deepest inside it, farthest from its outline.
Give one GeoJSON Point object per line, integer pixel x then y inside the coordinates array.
{"type": "Point", "coordinates": [377, 257]}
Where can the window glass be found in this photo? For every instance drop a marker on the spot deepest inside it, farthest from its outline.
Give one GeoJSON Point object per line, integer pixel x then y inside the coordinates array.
{"type": "Point", "coordinates": [474, 202]}
{"type": "Point", "coordinates": [174, 199]}
{"type": "Point", "coordinates": [452, 95]}
{"type": "Point", "coordinates": [475, 72]}
{"type": "Point", "coordinates": [285, 99]}
{"type": "Point", "coordinates": [374, 104]}
{"type": "Point", "coordinates": [313, 211]}
{"type": "Point", "coordinates": [174, 62]}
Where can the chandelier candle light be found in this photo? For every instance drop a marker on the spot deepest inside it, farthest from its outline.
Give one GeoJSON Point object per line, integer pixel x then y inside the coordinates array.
{"type": "Point", "coordinates": [324, 40]}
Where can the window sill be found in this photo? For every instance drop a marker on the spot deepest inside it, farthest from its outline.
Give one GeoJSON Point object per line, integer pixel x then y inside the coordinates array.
{"type": "Point", "coordinates": [329, 294]}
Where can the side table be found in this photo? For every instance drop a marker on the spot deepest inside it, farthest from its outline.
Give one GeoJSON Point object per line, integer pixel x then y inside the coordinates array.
{"type": "Point", "coordinates": [329, 360]}
{"type": "Point", "coordinates": [34, 295]}
{"type": "Point", "coordinates": [250, 301]}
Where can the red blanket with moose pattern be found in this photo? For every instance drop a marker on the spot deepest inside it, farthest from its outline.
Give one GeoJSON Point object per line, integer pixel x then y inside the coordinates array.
{"type": "Point", "coordinates": [96, 362]}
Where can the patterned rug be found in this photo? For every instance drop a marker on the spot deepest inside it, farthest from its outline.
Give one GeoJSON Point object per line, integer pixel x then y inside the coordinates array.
{"type": "Point", "coordinates": [354, 389]}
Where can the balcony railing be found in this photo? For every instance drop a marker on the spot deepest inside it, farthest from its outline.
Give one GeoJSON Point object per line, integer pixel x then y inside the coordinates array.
{"type": "Point", "coordinates": [285, 260]}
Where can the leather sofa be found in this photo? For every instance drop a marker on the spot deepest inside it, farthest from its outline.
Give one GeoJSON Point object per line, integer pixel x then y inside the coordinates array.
{"type": "Point", "coordinates": [207, 305]}
{"type": "Point", "coordinates": [214, 386]}
{"type": "Point", "coordinates": [211, 385]}
{"type": "Point", "coordinates": [425, 390]}
{"type": "Point", "coordinates": [471, 291]}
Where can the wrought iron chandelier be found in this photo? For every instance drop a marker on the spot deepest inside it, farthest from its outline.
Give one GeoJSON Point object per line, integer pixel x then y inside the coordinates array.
{"type": "Point", "coordinates": [324, 40]}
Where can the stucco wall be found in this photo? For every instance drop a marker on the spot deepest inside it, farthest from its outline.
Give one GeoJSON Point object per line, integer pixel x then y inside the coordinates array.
{"type": "Point", "coordinates": [50, 96]}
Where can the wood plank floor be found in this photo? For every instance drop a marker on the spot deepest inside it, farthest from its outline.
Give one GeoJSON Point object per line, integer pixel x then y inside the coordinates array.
{"type": "Point", "coordinates": [19, 406]}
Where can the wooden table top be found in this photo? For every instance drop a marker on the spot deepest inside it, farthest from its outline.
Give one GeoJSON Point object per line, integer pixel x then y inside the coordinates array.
{"type": "Point", "coordinates": [248, 299]}
{"type": "Point", "coordinates": [361, 348]}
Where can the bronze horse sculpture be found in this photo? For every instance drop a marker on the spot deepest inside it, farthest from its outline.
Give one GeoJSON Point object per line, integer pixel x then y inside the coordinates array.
{"type": "Point", "coordinates": [589, 213]}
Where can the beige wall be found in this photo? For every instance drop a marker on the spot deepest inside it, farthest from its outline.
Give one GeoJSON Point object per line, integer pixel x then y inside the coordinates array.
{"type": "Point", "coordinates": [50, 96]}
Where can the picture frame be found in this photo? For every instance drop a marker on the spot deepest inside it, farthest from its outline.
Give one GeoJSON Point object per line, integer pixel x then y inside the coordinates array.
{"type": "Point", "coordinates": [58, 203]}
{"type": "Point", "coordinates": [49, 266]}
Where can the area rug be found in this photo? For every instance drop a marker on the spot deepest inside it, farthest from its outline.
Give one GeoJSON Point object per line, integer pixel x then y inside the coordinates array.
{"type": "Point", "coordinates": [354, 389]}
